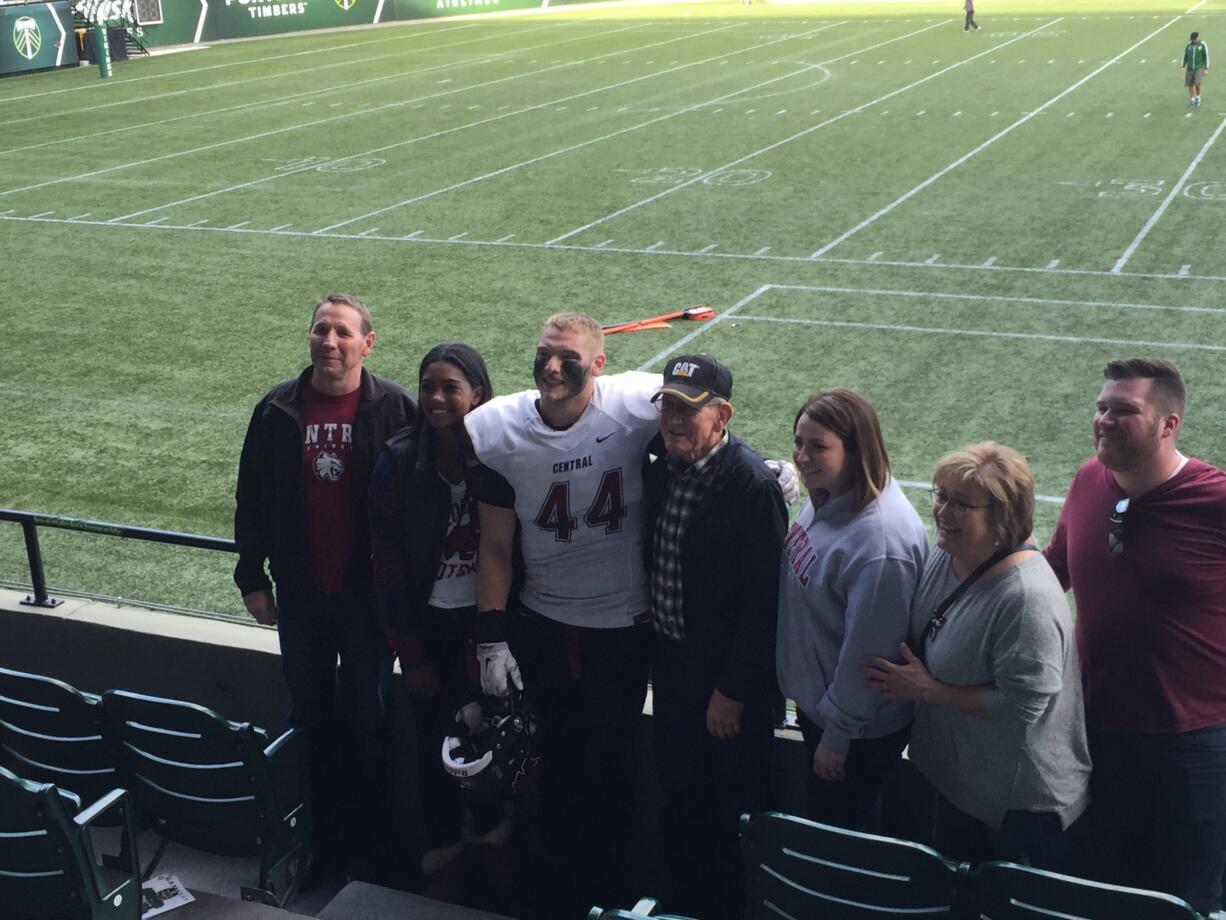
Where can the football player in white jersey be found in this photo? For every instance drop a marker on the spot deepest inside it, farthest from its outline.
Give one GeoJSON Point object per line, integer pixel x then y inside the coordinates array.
{"type": "Point", "coordinates": [566, 464]}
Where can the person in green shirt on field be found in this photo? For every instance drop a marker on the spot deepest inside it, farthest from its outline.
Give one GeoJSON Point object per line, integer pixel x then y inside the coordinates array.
{"type": "Point", "coordinates": [1195, 65]}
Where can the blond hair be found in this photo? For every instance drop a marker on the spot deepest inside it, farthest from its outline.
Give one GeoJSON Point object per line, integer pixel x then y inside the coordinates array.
{"type": "Point", "coordinates": [1005, 475]}
{"type": "Point", "coordinates": [571, 321]}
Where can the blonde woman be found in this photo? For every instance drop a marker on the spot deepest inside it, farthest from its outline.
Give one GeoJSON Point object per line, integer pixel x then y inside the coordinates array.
{"type": "Point", "coordinates": [999, 727]}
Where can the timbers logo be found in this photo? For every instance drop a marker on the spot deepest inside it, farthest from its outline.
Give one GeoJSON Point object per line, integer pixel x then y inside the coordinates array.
{"type": "Point", "coordinates": [27, 39]}
{"type": "Point", "coordinates": [346, 4]}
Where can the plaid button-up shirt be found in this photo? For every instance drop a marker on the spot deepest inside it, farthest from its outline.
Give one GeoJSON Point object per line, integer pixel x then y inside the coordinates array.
{"type": "Point", "coordinates": [686, 484]}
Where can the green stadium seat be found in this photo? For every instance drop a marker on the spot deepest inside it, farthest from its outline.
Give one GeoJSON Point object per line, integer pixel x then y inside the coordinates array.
{"type": "Point", "coordinates": [799, 868]}
{"type": "Point", "coordinates": [1007, 891]}
{"type": "Point", "coordinates": [47, 863]}
{"type": "Point", "coordinates": [214, 785]}
{"type": "Point", "coordinates": [52, 733]}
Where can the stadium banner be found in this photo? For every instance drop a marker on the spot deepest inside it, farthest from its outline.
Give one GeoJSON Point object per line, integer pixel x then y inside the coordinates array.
{"type": "Point", "coordinates": [195, 21]}
{"type": "Point", "coordinates": [36, 36]}
{"type": "Point", "coordinates": [422, 9]}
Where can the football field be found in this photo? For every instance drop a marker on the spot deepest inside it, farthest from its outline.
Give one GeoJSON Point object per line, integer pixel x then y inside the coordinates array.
{"type": "Point", "coordinates": [963, 226]}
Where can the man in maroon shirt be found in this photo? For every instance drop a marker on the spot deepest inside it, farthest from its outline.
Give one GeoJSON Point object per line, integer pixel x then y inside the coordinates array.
{"type": "Point", "coordinates": [301, 506]}
{"type": "Point", "coordinates": [1142, 543]}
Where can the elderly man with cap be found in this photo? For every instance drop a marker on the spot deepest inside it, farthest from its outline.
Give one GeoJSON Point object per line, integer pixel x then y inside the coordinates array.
{"type": "Point", "coordinates": [717, 524]}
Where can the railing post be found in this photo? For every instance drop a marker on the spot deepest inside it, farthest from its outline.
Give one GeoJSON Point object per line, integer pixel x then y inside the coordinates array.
{"type": "Point", "coordinates": [37, 577]}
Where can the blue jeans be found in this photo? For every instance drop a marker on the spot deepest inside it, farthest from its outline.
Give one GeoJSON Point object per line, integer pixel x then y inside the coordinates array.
{"type": "Point", "coordinates": [340, 711]}
{"type": "Point", "coordinates": [1158, 812]}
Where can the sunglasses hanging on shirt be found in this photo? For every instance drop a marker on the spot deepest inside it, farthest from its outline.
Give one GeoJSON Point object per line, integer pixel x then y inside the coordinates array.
{"type": "Point", "coordinates": [1115, 536]}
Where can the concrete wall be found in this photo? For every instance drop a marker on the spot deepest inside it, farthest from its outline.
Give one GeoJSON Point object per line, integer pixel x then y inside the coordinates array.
{"type": "Point", "coordinates": [230, 667]}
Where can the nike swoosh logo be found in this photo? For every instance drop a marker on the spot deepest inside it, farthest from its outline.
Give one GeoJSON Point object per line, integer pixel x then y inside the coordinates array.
{"type": "Point", "coordinates": [606, 437]}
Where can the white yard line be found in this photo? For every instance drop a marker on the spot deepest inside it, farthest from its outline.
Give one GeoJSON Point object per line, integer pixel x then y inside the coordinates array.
{"type": "Point", "coordinates": [1166, 203]}
{"type": "Point", "coordinates": [435, 134]}
{"type": "Point", "coordinates": [806, 132]}
{"type": "Point", "coordinates": [996, 298]}
{"type": "Point", "coordinates": [652, 363]}
{"type": "Point", "coordinates": [228, 66]}
{"type": "Point", "coordinates": [907, 196]}
{"type": "Point", "coordinates": [595, 140]}
{"type": "Point", "coordinates": [606, 249]}
{"type": "Point", "coordinates": [982, 333]}
{"type": "Point", "coordinates": [367, 111]}
{"type": "Point", "coordinates": [1006, 269]}
{"type": "Point", "coordinates": [279, 100]}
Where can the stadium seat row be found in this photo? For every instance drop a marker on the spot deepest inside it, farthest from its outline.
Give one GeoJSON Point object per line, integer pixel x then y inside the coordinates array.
{"type": "Point", "coordinates": [196, 778]}
{"type": "Point", "coordinates": [224, 788]}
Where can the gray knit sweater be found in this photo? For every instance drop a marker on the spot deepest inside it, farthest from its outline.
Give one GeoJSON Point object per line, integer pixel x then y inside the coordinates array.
{"type": "Point", "coordinates": [845, 594]}
{"type": "Point", "coordinates": [1013, 633]}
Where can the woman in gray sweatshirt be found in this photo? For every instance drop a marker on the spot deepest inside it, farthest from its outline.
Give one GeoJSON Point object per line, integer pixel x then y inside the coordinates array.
{"type": "Point", "coordinates": [1000, 728]}
{"type": "Point", "coordinates": [850, 567]}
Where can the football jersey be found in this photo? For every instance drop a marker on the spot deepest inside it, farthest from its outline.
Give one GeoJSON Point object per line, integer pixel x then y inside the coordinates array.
{"type": "Point", "coordinates": [578, 496]}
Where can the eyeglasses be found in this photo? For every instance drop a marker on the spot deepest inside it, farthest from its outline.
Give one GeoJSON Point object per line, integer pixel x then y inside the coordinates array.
{"type": "Point", "coordinates": [941, 497]}
{"type": "Point", "coordinates": [1115, 536]}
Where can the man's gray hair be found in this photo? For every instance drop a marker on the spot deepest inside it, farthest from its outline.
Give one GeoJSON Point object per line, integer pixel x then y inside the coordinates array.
{"type": "Point", "coordinates": [347, 300]}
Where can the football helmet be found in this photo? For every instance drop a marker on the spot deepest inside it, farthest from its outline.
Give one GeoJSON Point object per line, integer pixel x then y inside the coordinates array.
{"type": "Point", "coordinates": [492, 751]}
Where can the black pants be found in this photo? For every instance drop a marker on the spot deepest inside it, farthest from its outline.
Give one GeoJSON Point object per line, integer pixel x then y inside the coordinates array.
{"type": "Point", "coordinates": [1031, 838]}
{"type": "Point", "coordinates": [447, 638]}
{"type": "Point", "coordinates": [970, 21]}
{"type": "Point", "coordinates": [589, 685]}
{"type": "Point", "coordinates": [851, 802]}
{"type": "Point", "coordinates": [708, 784]}
{"type": "Point", "coordinates": [340, 712]}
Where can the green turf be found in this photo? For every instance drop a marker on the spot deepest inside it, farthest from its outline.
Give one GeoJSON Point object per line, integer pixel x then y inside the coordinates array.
{"type": "Point", "coordinates": [166, 232]}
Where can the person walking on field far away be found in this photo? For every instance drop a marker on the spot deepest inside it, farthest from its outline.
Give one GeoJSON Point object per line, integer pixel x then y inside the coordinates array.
{"type": "Point", "coordinates": [1195, 65]}
{"type": "Point", "coordinates": [969, 6]}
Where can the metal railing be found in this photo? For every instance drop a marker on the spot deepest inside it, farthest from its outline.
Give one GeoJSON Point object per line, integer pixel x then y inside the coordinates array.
{"type": "Point", "coordinates": [30, 521]}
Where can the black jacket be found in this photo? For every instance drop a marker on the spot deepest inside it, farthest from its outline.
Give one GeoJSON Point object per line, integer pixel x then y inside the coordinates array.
{"type": "Point", "coordinates": [409, 508]}
{"type": "Point", "coordinates": [270, 517]}
{"type": "Point", "coordinates": [731, 551]}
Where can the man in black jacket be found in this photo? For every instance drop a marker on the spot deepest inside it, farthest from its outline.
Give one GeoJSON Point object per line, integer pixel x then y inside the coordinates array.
{"type": "Point", "coordinates": [717, 526]}
{"type": "Point", "coordinates": [301, 506]}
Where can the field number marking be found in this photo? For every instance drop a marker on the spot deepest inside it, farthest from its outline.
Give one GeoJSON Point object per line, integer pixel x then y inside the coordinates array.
{"type": "Point", "coordinates": [1157, 215]}
{"type": "Point", "coordinates": [326, 164]}
{"type": "Point", "coordinates": [1214, 190]}
{"type": "Point", "coordinates": [672, 175]}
